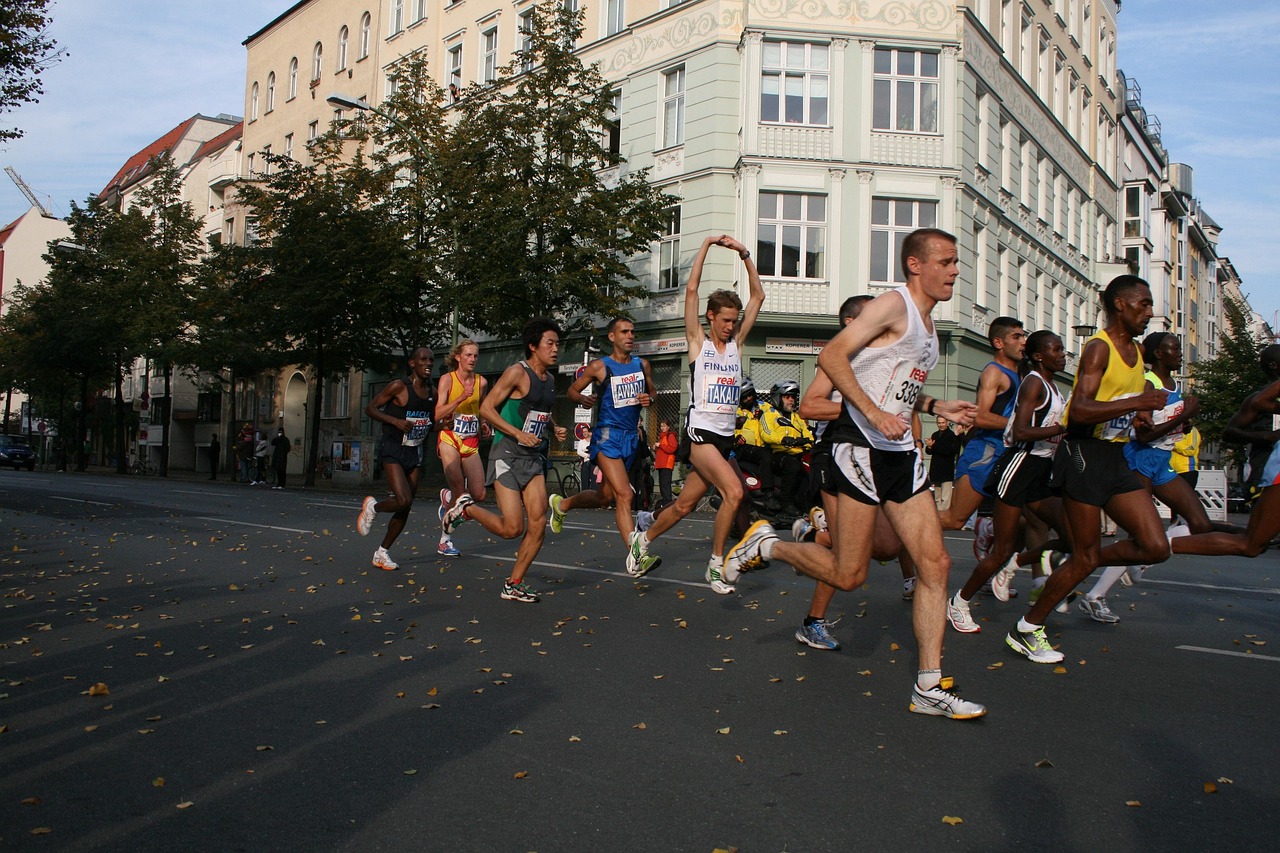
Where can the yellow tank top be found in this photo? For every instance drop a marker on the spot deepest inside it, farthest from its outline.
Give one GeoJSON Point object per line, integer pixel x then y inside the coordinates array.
{"type": "Point", "coordinates": [470, 406]}
{"type": "Point", "coordinates": [1118, 381]}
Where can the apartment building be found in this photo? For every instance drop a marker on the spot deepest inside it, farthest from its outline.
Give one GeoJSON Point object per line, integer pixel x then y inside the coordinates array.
{"type": "Point", "coordinates": [820, 134]}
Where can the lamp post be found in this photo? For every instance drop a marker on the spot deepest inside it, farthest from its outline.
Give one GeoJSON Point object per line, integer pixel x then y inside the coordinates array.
{"type": "Point", "coordinates": [346, 102]}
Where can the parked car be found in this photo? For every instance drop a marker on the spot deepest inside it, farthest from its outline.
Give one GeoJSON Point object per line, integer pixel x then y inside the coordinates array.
{"type": "Point", "coordinates": [15, 451]}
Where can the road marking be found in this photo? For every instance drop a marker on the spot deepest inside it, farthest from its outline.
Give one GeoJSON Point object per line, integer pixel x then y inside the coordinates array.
{"type": "Point", "coordinates": [333, 506]}
{"type": "Point", "coordinates": [204, 493]}
{"type": "Point", "coordinates": [251, 524]}
{"type": "Point", "coordinates": [1225, 652]}
{"type": "Point", "coordinates": [79, 501]}
{"type": "Point", "coordinates": [1257, 589]}
{"type": "Point", "coordinates": [649, 577]}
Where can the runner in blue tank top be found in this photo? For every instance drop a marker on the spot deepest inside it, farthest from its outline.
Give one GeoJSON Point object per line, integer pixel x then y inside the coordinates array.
{"type": "Point", "coordinates": [626, 386]}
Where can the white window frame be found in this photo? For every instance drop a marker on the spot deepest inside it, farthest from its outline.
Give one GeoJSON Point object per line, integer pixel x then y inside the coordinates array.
{"type": "Point", "coordinates": [317, 61]}
{"type": "Point", "coordinates": [892, 84]}
{"type": "Point", "coordinates": [489, 54]}
{"type": "Point", "coordinates": [395, 18]}
{"type": "Point", "coordinates": [892, 219]}
{"type": "Point", "coordinates": [288, 145]}
{"type": "Point", "coordinates": [454, 52]}
{"type": "Point", "coordinates": [668, 253]}
{"type": "Point", "coordinates": [313, 132]}
{"type": "Point", "coordinates": [612, 136]}
{"type": "Point", "coordinates": [271, 91]}
{"type": "Point", "coordinates": [344, 37]}
{"type": "Point", "coordinates": [524, 37]}
{"type": "Point", "coordinates": [253, 101]}
{"type": "Point", "coordinates": [337, 397]}
{"type": "Point", "coordinates": [419, 11]}
{"type": "Point", "coordinates": [366, 30]}
{"type": "Point", "coordinates": [791, 75]}
{"type": "Point", "coordinates": [792, 219]}
{"type": "Point", "coordinates": [293, 78]}
{"type": "Point", "coordinates": [615, 17]}
{"type": "Point", "coordinates": [672, 123]}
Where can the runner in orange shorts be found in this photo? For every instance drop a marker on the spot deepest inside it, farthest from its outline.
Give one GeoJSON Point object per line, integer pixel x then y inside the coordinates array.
{"type": "Point", "coordinates": [458, 443]}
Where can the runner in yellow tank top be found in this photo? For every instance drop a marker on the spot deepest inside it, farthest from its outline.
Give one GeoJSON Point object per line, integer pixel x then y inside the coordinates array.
{"type": "Point", "coordinates": [1119, 381]}
{"type": "Point", "coordinates": [458, 398]}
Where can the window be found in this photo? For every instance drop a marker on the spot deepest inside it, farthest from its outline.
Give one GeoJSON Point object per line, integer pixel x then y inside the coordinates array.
{"type": "Point", "coordinates": [673, 108]}
{"type": "Point", "coordinates": [249, 162]}
{"type": "Point", "coordinates": [524, 39]}
{"type": "Point", "coordinates": [366, 25]}
{"type": "Point", "coordinates": [984, 130]}
{"type": "Point", "coordinates": [906, 91]}
{"type": "Point", "coordinates": [795, 85]}
{"type": "Point", "coordinates": [1135, 214]}
{"type": "Point", "coordinates": [489, 62]}
{"type": "Point", "coordinates": [397, 17]}
{"type": "Point", "coordinates": [288, 145]}
{"type": "Point", "coordinates": [892, 219]}
{"type": "Point", "coordinates": [669, 252]}
{"type": "Point", "coordinates": [455, 68]}
{"type": "Point", "coordinates": [613, 123]}
{"type": "Point", "coordinates": [1043, 87]}
{"type": "Point", "coordinates": [271, 91]}
{"type": "Point", "coordinates": [250, 231]}
{"type": "Point", "coordinates": [253, 102]}
{"type": "Point", "coordinates": [1008, 143]}
{"type": "Point", "coordinates": [419, 10]}
{"type": "Point", "coordinates": [614, 17]}
{"type": "Point", "coordinates": [313, 132]}
{"type": "Point", "coordinates": [317, 61]}
{"type": "Point", "coordinates": [1006, 28]}
{"type": "Point", "coordinates": [1026, 46]}
{"type": "Point", "coordinates": [337, 397]}
{"type": "Point", "coordinates": [791, 240]}
{"type": "Point", "coordinates": [293, 78]}
{"type": "Point", "coordinates": [266, 160]}
{"type": "Point", "coordinates": [343, 38]}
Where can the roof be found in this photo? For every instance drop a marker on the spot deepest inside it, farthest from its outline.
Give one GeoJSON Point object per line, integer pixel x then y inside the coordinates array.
{"type": "Point", "coordinates": [8, 229]}
{"type": "Point", "coordinates": [277, 19]}
{"type": "Point", "coordinates": [134, 166]}
{"type": "Point", "coordinates": [219, 142]}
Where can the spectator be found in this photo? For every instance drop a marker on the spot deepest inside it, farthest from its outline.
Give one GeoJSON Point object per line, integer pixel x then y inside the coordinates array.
{"type": "Point", "coordinates": [244, 452]}
{"type": "Point", "coordinates": [788, 437]}
{"type": "Point", "coordinates": [1185, 458]}
{"type": "Point", "coordinates": [215, 453]}
{"type": "Point", "coordinates": [260, 450]}
{"type": "Point", "coordinates": [280, 447]}
{"type": "Point", "coordinates": [943, 448]}
{"type": "Point", "coordinates": [665, 459]}
{"type": "Point", "coordinates": [640, 474]}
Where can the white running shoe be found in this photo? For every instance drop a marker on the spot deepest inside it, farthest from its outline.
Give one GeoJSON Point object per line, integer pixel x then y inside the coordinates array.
{"type": "Point", "coordinates": [802, 530]}
{"type": "Point", "coordinates": [818, 518]}
{"type": "Point", "coordinates": [937, 702]}
{"type": "Point", "coordinates": [1001, 580]}
{"type": "Point", "coordinates": [456, 514]}
{"type": "Point", "coordinates": [748, 554]}
{"type": "Point", "coordinates": [908, 588]}
{"type": "Point", "coordinates": [1133, 574]}
{"type": "Point", "coordinates": [382, 560]}
{"type": "Point", "coordinates": [1033, 645]}
{"type": "Point", "coordinates": [959, 616]}
{"type": "Point", "coordinates": [364, 521]}
{"type": "Point", "coordinates": [984, 537]}
{"type": "Point", "coordinates": [1097, 610]}
{"type": "Point", "coordinates": [1177, 532]}
{"type": "Point", "coordinates": [715, 577]}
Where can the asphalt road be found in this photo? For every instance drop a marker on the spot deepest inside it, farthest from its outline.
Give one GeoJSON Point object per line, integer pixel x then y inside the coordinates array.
{"type": "Point", "coordinates": [269, 690]}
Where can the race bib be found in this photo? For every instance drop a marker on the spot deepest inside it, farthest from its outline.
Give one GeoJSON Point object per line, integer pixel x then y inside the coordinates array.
{"type": "Point", "coordinates": [719, 394]}
{"type": "Point", "coordinates": [1120, 426]}
{"type": "Point", "coordinates": [904, 387]}
{"type": "Point", "coordinates": [466, 426]}
{"type": "Point", "coordinates": [535, 423]}
{"type": "Point", "coordinates": [626, 389]}
{"type": "Point", "coordinates": [418, 429]}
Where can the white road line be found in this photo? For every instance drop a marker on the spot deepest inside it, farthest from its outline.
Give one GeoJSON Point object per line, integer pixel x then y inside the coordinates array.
{"type": "Point", "coordinates": [1225, 652]}
{"type": "Point", "coordinates": [79, 501]}
{"type": "Point", "coordinates": [251, 524]}
{"type": "Point", "coordinates": [1262, 590]}
{"type": "Point", "coordinates": [334, 506]}
{"type": "Point", "coordinates": [205, 493]}
{"type": "Point", "coordinates": [650, 577]}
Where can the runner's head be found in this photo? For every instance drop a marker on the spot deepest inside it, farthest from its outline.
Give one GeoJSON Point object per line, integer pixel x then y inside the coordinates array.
{"type": "Point", "coordinates": [1162, 349]}
{"type": "Point", "coordinates": [622, 334]}
{"type": "Point", "coordinates": [420, 361]}
{"type": "Point", "coordinates": [1270, 360]}
{"type": "Point", "coordinates": [465, 351]}
{"type": "Point", "coordinates": [1043, 349]}
{"type": "Point", "coordinates": [929, 257]}
{"type": "Point", "coordinates": [1127, 301]}
{"type": "Point", "coordinates": [1007, 336]}
{"type": "Point", "coordinates": [541, 337]}
{"type": "Point", "coordinates": [724, 308]}
{"type": "Point", "coordinates": [852, 307]}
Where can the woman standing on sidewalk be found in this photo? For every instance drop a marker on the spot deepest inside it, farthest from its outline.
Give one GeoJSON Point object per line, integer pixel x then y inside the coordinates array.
{"type": "Point", "coordinates": [664, 459]}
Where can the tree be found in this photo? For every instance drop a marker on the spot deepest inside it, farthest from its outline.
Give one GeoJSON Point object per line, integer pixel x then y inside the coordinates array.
{"type": "Point", "coordinates": [1224, 381]}
{"type": "Point", "coordinates": [25, 50]}
{"type": "Point", "coordinates": [538, 230]}
{"type": "Point", "coordinates": [326, 255]}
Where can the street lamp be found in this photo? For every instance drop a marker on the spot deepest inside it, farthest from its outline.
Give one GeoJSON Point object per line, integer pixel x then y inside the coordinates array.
{"type": "Point", "coordinates": [346, 102]}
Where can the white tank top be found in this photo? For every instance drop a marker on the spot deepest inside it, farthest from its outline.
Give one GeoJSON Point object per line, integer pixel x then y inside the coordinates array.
{"type": "Point", "coordinates": [715, 379]}
{"type": "Point", "coordinates": [893, 375]}
{"type": "Point", "coordinates": [1048, 413]}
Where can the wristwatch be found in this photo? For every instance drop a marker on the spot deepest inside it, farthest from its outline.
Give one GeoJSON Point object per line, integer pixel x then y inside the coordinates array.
{"type": "Point", "coordinates": [744, 254]}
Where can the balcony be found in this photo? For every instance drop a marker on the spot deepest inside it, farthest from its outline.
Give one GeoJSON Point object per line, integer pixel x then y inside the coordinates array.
{"type": "Point", "coordinates": [795, 143]}
{"type": "Point", "coordinates": [789, 296]}
{"type": "Point", "coordinates": [222, 173]}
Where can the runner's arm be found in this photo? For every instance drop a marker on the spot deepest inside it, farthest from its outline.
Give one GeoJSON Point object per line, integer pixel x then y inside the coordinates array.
{"type": "Point", "coordinates": [390, 392]}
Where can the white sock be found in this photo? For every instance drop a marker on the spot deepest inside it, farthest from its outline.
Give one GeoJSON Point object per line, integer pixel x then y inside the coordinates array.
{"type": "Point", "coordinates": [1026, 627]}
{"type": "Point", "coordinates": [960, 600]}
{"type": "Point", "coordinates": [766, 548]}
{"type": "Point", "coordinates": [927, 679]}
{"type": "Point", "coordinates": [1110, 575]}
{"type": "Point", "coordinates": [717, 560]}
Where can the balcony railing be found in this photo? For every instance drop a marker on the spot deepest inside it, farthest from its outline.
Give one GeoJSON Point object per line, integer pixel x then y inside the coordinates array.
{"type": "Point", "coordinates": [789, 296]}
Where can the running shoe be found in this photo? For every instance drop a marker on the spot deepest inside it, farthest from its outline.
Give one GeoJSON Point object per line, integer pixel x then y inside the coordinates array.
{"type": "Point", "coordinates": [937, 702]}
{"type": "Point", "coordinates": [364, 521]}
{"type": "Point", "coordinates": [802, 530]}
{"type": "Point", "coordinates": [645, 564]}
{"type": "Point", "coordinates": [959, 616]}
{"type": "Point", "coordinates": [715, 577]}
{"type": "Point", "coordinates": [644, 520]}
{"type": "Point", "coordinates": [446, 498]}
{"type": "Point", "coordinates": [984, 537]}
{"type": "Point", "coordinates": [637, 550]}
{"type": "Point", "coordinates": [818, 518]}
{"type": "Point", "coordinates": [456, 514]}
{"type": "Point", "coordinates": [908, 588]}
{"type": "Point", "coordinates": [1001, 580]}
{"type": "Point", "coordinates": [557, 515]}
{"type": "Point", "coordinates": [1133, 574]}
{"type": "Point", "coordinates": [1033, 645]}
{"type": "Point", "coordinates": [1097, 609]}
{"type": "Point", "coordinates": [748, 554]}
{"type": "Point", "coordinates": [518, 592]}
{"type": "Point", "coordinates": [1177, 532]}
{"type": "Point", "coordinates": [382, 560]}
{"type": "Point", "coordinates": [446, 548]}
{"type": "Point", "coordinates": [817, 635]}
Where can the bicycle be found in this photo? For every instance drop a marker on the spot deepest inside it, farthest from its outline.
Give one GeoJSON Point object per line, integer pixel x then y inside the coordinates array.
{"type": "Point", "coordinates": [143, 467]}
{"type": "Point", "coordinates": [565, 484]}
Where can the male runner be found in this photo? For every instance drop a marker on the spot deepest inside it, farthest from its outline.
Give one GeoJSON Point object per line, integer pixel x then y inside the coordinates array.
{"type": "Point", "coordinates": [458, 398]}
{"type": "Point", "coordinates": [404, 407]}
{"type": "Point", "coordinates": [1109, 397]}
{"type": "Point", "coordinates": [518, 407]}
{"type": "Point", "coordinates": [626, 386]}
{"type": "Point", "coordinates": [715, 378]}
{"type": "Point", "coordinates": [879, 364]}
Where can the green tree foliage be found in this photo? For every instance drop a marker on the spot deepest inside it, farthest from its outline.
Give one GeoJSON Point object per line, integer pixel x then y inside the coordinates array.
{"type": "Point", "coordinates": [325, 253]}
{"type": "Point", "coordinates": [25, 50]}
{"type": "Point", "coordinates": [1223, 382]}
{"type": "Point", "coordinates": [538, 230]}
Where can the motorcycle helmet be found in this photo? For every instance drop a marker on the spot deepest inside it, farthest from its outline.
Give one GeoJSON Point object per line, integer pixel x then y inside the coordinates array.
{"type": "Point", "coordinates": [782, 389]}
{"type": "Point", "coordinates": [747, 389]}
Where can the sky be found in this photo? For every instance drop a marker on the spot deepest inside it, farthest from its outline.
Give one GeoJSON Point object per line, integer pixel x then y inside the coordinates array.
{"type": "Point", "coordinates": [137, 68]}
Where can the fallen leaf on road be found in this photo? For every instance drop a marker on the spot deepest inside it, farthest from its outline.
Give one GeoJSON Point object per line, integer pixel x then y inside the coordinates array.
{"type": "Point", "coordinates": [41, 830]}
{"type": "Point", "coordinates": [1210, 788]}
{"type": "Point", "coordinates": [157, 782]}
{"type": "Point", "coordinates": [90, 728]}
{"type": "Point", "coordinates": [1059, 669]}
{"type": "Point", "coordinates": [574, 739]}
{"type": "Point", "coordinates": [515, 732]}
{"type": "Point", "coordinates": [1044, 762]}
{"type": "Point", "coordinates": [952, 821]}
{"type": "Point", "coordinates": [723, 731]}
{"type": "Point", "coordinates": [521, 774]}
{"type": "Point", "coordinates": [1132, 804]}
{"type": "Point", "coordinates": [188, 804]}
{"type": "Point", "coordinates": [264, 748]}
{"type": "Point", "coordinates": [410, 772]}
{"type": "Point", "coordinates": [99, 689]}
{"type": "Point", "coordinates": [30, 801]}
{"type": "Point", "coordinates": [639, 726]}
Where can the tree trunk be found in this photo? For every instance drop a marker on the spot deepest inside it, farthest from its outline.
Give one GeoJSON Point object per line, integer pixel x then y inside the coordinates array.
{"type": "Point", "coordinates": [81, 455]}
{"type": "Point", "coordinates": [122, 466]}
{"type": "Point", "coordinates": [317, 400]}
{"type": "Point", "coordinates": [163, 468]}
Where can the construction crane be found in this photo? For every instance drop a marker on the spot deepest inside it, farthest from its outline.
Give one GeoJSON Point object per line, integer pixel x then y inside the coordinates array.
{"type": "Point", "coordinates": [26, 190]}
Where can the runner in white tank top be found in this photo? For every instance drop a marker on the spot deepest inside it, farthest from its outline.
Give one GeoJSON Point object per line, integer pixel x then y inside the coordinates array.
{"type": "Point", "coordinates": [715, 378]}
